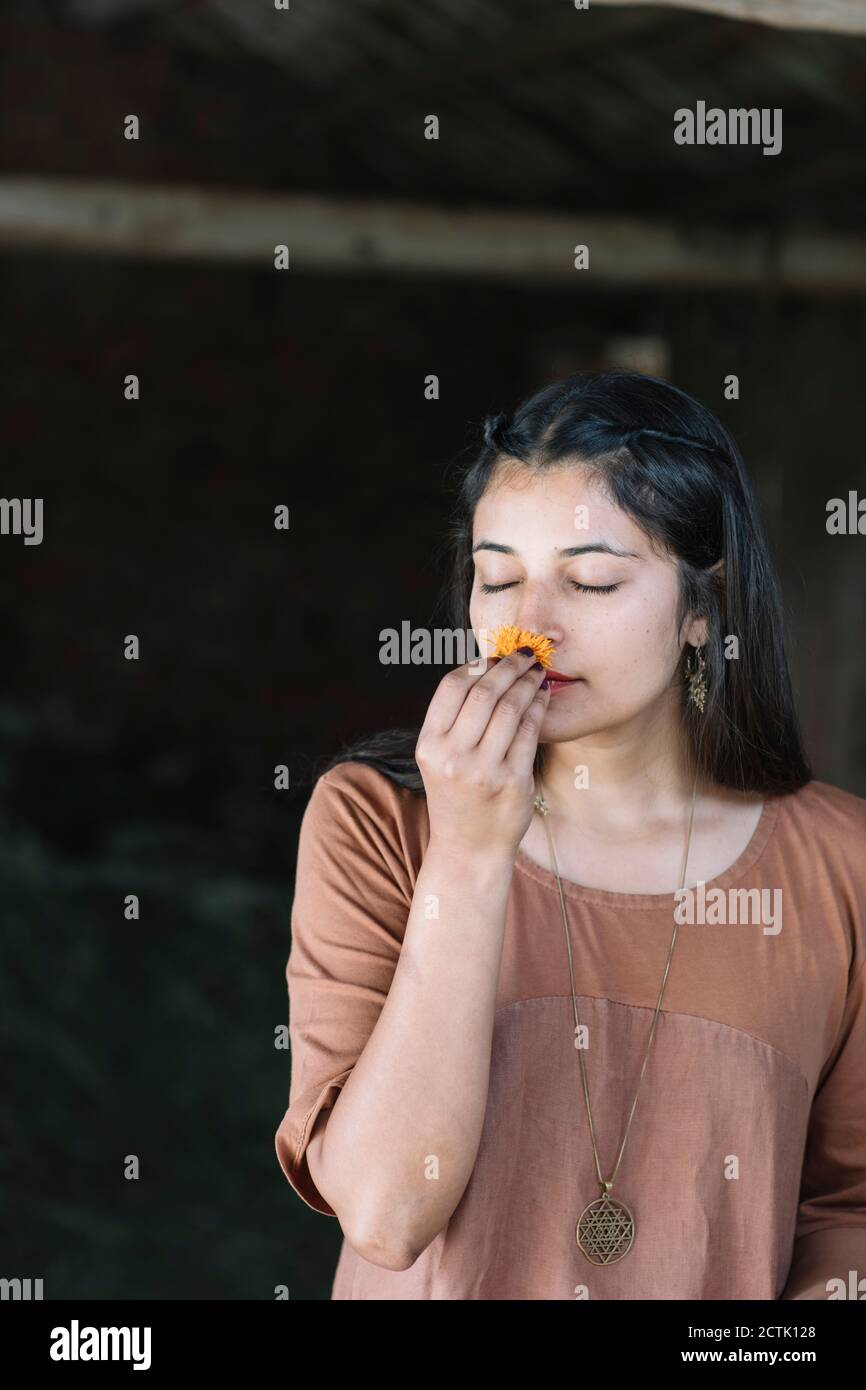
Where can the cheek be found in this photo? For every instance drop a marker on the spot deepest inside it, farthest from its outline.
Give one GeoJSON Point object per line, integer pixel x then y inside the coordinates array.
{"type": "Point", "coordinates": [483, 625]}
{"type": "Point", "coordinates": [477, 616]}
{"type": "Point", "coordinates": [642, 641]}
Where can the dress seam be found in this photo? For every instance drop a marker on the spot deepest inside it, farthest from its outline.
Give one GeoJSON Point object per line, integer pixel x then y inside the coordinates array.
{"type": "Point", "coordinates": [672, 1013]}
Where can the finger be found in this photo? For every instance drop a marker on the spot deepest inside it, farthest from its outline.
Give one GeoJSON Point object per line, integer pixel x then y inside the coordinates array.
{"type": "Point", "coordinates": [451, 692]}
{"type": "Point", "coordinates": [482, 698]}
{"type": "Point", "coordinates": [524, 745]}
{"type": "Point", "coordinates": [510, 709]}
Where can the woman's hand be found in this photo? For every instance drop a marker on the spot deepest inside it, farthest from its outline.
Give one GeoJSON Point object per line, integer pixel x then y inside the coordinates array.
{"type": "Point", "coordinates": [476, 749]}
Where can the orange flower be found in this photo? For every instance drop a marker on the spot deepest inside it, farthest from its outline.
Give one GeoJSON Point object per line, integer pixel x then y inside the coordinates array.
{"type": "Point", "coordinates": [508, 639]}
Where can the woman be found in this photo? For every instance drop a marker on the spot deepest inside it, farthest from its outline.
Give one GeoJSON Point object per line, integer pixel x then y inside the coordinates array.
{"type": "Point", "coordinates": [486, 1090]}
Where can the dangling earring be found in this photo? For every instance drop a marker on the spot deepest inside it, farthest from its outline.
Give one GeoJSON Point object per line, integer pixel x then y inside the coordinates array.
{"type": "Point", "coordinates": [695, 670]}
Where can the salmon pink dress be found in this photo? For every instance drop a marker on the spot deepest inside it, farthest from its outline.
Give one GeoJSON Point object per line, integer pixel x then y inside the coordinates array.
{"type": "Point", "coordinates": [750, 1130]}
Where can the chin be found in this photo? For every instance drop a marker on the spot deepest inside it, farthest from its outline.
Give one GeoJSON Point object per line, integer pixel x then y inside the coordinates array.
{"type": "Point", "coordinates": [561, 729]}
{"type": "Point", "coordinates": [562, 724]}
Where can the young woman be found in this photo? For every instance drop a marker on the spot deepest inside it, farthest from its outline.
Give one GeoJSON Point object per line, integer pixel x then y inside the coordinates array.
{"type": "Point", "coordinates": [525, 1064]}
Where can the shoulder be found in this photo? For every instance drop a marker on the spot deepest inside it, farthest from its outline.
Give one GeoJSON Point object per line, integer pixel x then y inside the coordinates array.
{"type": "Point", "coordinates": [829, 815]}
{"type": "Point", "coordinates": [819, 853]}
{"type": "Point", "coordinates": [368, 788]}
{"type": "Point", "coordinates": [822, 837]}
{"type": "Point", "coordinates": [367, 804]}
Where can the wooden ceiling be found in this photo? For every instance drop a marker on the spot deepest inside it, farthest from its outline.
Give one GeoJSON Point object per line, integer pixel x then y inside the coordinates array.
{"type": "Point", "coordinates": [541, 107]}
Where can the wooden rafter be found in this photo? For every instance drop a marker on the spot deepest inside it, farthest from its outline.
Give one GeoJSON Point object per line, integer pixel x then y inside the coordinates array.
{"type": "Point", "coordinates": [835, 16]}
{"type": "Point", "coordinates": [362, 236]}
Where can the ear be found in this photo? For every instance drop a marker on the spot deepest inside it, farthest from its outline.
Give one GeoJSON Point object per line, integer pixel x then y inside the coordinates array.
{"type": "Point", "coordinates": [696, 632]}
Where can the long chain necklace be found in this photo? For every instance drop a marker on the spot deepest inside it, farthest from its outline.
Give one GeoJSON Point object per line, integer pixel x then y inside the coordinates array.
{"type": "Point", "coordinates": [606, 1227]}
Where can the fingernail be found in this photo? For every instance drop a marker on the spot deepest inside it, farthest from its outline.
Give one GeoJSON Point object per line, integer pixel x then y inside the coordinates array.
{"type": "Point", "coordinates": [527, 651]}
{"type": "Point", "coordinates": [545, 684]}
{"type": "Point", "coordinates": [536, 666]}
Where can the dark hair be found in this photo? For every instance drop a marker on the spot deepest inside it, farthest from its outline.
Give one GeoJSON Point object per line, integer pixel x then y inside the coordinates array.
{"type": "Point", "coordinates": [671, 465]}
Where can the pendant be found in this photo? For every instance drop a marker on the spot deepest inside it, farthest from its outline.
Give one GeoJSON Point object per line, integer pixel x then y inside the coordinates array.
{"type": "Point", "coordinates": [605, 1230]}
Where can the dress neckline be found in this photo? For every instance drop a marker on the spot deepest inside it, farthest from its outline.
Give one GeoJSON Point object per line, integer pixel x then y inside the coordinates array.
{"type": "Point", "coordinates": [606, 897]}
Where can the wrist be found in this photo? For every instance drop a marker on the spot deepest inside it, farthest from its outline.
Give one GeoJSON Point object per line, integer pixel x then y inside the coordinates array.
{"type": "Point", "coordinates": [490, 860]}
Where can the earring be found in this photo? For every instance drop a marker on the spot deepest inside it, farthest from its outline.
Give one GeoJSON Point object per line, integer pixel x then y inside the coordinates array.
{"type": "Point", "coordinates": [695, 670]}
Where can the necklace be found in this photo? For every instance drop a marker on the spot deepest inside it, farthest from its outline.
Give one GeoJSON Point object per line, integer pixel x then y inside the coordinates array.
{"type": "Point", "coordinates": [606, 1227]}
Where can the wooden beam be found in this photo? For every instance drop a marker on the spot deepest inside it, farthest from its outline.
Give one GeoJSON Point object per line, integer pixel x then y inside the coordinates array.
{"type": "Point", "coordinates": [358, 236]}
{"type": "Point", "coordinates": [834, 16]}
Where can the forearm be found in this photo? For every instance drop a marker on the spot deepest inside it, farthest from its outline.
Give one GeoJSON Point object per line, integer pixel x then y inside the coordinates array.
{"type": "Point", "coordinates": [825, 1255]}
{"type": "Point", "coordinates": [400, 1145]}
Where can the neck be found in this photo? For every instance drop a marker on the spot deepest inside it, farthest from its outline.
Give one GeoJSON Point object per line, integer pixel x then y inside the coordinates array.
{"type": "Point", "coordinates": [639, 773]}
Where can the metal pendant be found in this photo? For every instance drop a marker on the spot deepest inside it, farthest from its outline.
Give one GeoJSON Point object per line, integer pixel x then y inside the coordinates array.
{"type": "Point", "coordinates": [605, 1230]}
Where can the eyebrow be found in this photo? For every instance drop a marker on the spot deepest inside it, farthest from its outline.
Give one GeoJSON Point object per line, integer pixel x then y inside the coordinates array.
{"type": "Point", "coordinates": [565, 552]}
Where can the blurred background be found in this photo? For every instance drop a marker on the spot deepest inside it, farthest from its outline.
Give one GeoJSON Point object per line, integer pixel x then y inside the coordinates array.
{"type": "Point", "coordinates": [304, 387]}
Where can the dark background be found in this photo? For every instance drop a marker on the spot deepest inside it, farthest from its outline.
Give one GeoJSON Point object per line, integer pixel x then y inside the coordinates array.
{"type": "Point", "coordinates": [261, 648]}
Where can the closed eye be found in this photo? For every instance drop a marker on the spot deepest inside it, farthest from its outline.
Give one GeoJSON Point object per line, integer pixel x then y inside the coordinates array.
{"type": "Point", "coordinates": [581, 588]}
{"type": "Point", "coordinates": [594, 588]}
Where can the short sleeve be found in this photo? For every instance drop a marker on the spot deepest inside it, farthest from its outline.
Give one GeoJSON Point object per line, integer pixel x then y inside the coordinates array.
{"type": "Point", "coordinates": [833, 1184]}
{"type": "Point", "coordinates": [353, 895]}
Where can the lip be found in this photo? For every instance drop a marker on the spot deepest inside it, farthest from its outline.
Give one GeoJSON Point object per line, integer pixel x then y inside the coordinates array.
{"type": "Point", "coordinates": [558, 679]}
{"type": "Point", "coordinates": [556, 686]}
{"type": "Point", "coordinates": [560, 682]}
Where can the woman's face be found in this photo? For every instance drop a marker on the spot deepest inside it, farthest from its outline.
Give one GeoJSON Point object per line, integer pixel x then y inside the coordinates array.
{"type": "Point", "coordinates": [550, 544]}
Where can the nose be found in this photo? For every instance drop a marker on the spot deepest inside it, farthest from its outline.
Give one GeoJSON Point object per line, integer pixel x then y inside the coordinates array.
{"type": "Point", "coordinates": [537, 618]}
